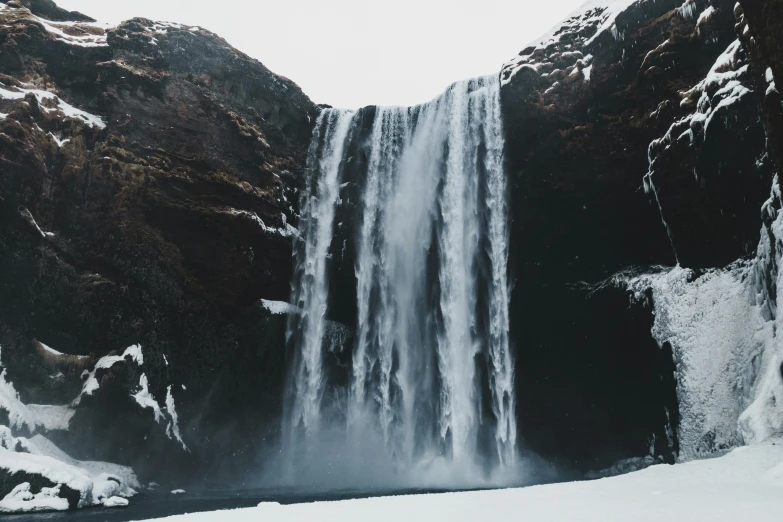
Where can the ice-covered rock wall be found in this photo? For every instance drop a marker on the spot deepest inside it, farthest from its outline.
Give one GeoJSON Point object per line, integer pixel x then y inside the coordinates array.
{"type": "Point", "coordinates": [723, 327]}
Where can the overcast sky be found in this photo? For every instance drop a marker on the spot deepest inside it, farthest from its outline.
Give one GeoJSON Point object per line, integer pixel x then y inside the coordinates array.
{"type": "Point", "coordinates": [350, 53]}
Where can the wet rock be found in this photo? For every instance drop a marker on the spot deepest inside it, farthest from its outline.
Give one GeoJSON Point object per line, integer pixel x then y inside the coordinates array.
{"type": "Point", "coordinates": [145, 197]}
{"type": "Point", "coordinates": [577, 153]}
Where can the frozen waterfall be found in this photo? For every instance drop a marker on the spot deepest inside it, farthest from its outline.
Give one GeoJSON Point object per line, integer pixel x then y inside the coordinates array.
{"type": "Point", "coordinates": [417, 196]}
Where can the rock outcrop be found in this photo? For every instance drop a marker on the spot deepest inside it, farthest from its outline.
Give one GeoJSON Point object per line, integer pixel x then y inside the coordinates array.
{"type": "Point", "coordinates": [637, 135]}
{"type": "Point", "coordinates": [148, 178]}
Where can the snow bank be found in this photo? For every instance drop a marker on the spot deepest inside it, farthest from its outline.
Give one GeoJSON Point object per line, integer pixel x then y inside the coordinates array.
{"type": "Point", "coordinates": [22, 500]}
{"type": "Point", "coordinates": [738, 486]}
{"type": "Point", "coordinates": [94, 482]}
{"type": "Point", "coordinates": [49, 468]}
{"type": "Point", "coordinates": [99, 471]}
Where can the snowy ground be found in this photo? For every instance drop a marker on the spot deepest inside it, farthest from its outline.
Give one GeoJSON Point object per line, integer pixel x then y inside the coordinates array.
{"type": "Point", "coordinates": [744, 485]}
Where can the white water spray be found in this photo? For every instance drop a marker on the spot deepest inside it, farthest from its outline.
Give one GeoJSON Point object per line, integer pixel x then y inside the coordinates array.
{"type": "Point", "coordinates": [431, 345]}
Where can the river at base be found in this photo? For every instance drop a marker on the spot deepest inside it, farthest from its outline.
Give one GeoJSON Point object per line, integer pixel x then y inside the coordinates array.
{"type": "Point", "coordinates": [149, 505]}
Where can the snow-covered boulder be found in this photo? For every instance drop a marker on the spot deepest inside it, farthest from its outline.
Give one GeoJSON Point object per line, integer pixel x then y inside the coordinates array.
{"type": "Point", "coordinates": [36, 475]}
{"type": "Point", "coordinates": [21, 499]}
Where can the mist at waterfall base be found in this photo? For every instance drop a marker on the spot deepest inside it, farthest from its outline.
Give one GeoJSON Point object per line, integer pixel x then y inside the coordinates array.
{"type": "Point", "coordinates": [420, 394]}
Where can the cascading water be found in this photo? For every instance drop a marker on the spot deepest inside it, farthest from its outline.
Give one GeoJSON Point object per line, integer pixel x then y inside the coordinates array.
{"type": "Point", "coordinates": [431, 372]}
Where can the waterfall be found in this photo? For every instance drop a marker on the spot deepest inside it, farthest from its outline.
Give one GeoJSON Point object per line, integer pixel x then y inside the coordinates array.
{"type": "Point", "coordinates": [431, 369]}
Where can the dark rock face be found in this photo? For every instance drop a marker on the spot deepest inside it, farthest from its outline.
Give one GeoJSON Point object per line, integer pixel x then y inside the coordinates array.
{"type": "Point", "coordinates": [581, 113]}
{"type": "Point", "coordinates": [161, 224]}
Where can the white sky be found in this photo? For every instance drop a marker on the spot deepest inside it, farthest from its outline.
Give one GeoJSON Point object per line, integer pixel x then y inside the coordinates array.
{"type": "Point", "coordinates": [350, 53]}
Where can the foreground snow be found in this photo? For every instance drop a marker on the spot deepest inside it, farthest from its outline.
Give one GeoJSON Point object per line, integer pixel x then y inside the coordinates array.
{"type": "Point", "coordinates": [746, 484]}
{"type": "Point", "coordinates": [29, 461]}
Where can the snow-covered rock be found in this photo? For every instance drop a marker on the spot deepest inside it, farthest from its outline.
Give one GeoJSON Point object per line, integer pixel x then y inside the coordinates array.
{"type": "Point", "coordinates": [280, 307]}
{"type": "Point", "coordinates": [80, 33]}
{"type": "Point", "coordinates": [19, 416]}
{"type": "Point", "coordinates": [580, 29]}
{"type": "Point", "coordinates": [27, 463]}
{"type": "Point", "coordinates": [115, 502]}
{"type": "Point", "coordinates": [21, 500]}
{"type": "Point", "coordinates": [145, 399]}
{"type": "Point", "coordinates": [60, 107]}
{"type": "Point", "coordinates": [76, 483]}
{"type": "Point", "coordinates": [285, 231]}
{"type": "Point", "coordinates": [91, 383]}
{"type": "Point", "coordinates": [172, 428]}
{"type": "Point", "coordinates": [163, 414]}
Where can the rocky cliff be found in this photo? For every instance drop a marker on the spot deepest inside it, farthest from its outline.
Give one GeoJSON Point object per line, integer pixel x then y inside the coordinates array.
{"type": "Point", "coordinates": [147, 182]}
{"type": "Point", "coordinates": [639, 134]}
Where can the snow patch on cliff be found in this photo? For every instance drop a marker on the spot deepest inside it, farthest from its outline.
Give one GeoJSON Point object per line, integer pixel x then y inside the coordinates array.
{"type": "Point", "coordinates": [19, 416]}
{"type": "Point", "coordinates": [143, 395]}
{"type": "Point", "coordinates": [770, 78]}
{"type": "Point", "coordinates": [609, 16]}
{"type": "Point", "coordinates": [172, 429]}
{"type": "Point", "coordinates": [280, 307]}
{"type": "Point", "coordinates": [705, 16]}
{"type": "Point", "coordinates": [96, 482]}
{"type": "Point", "coordinates": [134, 352]}
{"type": "Point", "coordinates": [145, 399]}
{"type": "Point", "coordinates": [688, 9]}
{"type": "Point", "coordinates": [46, 98]}
{"type": "Point", "coordinates": [31, 417]}
{"type": "Point", "coordinates": [51, 417]}
{"type": "Point", "coordinates": [91, 384]}
{"type": "Point", "coordinates": [286, 231]}
{"type": "Point", "coordinates": [80, 34]}
{"type": "Point", "coordinates": [87, 38]}
{"type": "Point", "coordinates": [594, 18]}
